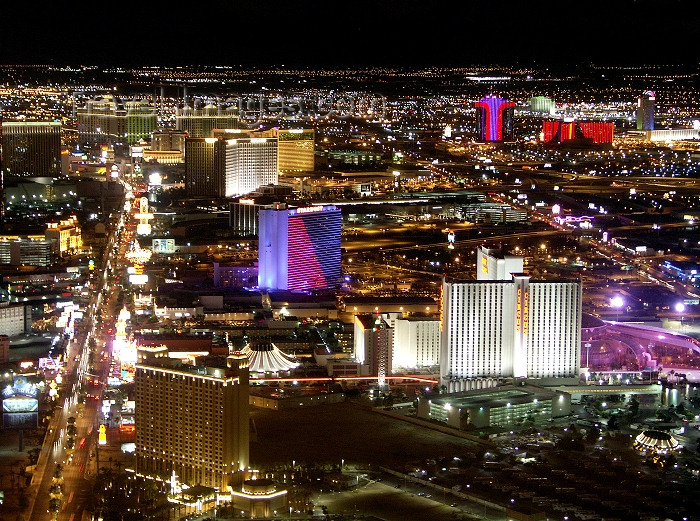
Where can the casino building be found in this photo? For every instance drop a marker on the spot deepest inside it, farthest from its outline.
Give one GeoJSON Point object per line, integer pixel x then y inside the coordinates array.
{"type": "Point", "coordinates": [494, 119]}
{"type": "Point", "coordinates": [192, 421]}
{"type": "Point", "coordinates": [299, 248]}
{"type": "Point", "coordinates": [507, 325]}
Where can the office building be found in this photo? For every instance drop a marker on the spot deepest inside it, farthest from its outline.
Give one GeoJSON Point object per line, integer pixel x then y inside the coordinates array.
{"type": "Point", "coordinates": [108, 121]}
{"type": "Point", "coordinates": [505, 325]}
{"type": "Point", "coordinates": [299, 248]}
{"type": "Point", "coordinates": [219, 167]}
{"type": "Point", "coordinates": [374, 345]}
{"type": "Point", "coordinates": [295, 149]}
{"type": "Point", "coordinates": [646, 106]}
{"type": "Point", "coordinates": [491, 264]}
{"type": "Point", "coordinates": [201, 123]}
{"type": "Point", "coordinates": [494, 119]}
{"type": "Point", "coordinates": [416, 342]}
{"type": "Point", "coordinates": [192, 421]}
{"type": "Point", "coordinates": [31, 148]}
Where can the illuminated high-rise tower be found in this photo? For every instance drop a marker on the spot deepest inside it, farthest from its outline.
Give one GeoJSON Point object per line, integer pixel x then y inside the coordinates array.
{"type": "Point", "coordinates": [299, 248]}
{"type": "Point", "coordinates": [31, 148]}
{"type": "Point", "coordinates": [506, 325]}
{"type": "Point", "coordinates": [494, 119]}
{"type": "Point", "coordinates": [192, 421]}
{"type": "Point", "coordinates": [646, 105]}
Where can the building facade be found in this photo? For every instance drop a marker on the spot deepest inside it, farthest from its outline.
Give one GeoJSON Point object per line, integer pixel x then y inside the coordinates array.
{"type": "Point", "coordinates": [204, 167]}
{"type": "Point", "coordinates": [646, 106]}
{"type": "Point", "coordinates": [66, 235]}
{"type": "Point", "coordinates": [31, 148]}
{"type": "Point", "coordinates": [196, 123]}
{"type": "Point", "coordinates": [491, 264]}
{"type": "Point", "coordinates": [219, 167]}
{"type": "Point", "coordinates": [299, 249]}
{"type": "Point", "coordinates": [295, 149]}
{"type": "Point", "coordinates": [416, 343]}
{"type": "Point", "coordinates": [249, 164]}
{"type": "Point", "coordinates": [15, 319]}
{"type": "Point", "coordinates": [27, 251]}
{"type": "Point", "coordinates": [244, 216]}
{"type": "Point", "coordinates": [594, 132]}
{"type": "Point", "coordinates": [517, 328]}
{"type": "Point", "coordinates": [374, 345]}
{"type": "Point", "coordinates": [108, 121]}
{"type": "Point", "coordinates": [193, 421]}
{"type": "Point", "coordinates": [4, 349]}
{"type": "Point", "coordinates": [494, 119]}
{"type": "Point", "coordinates": [168, 140]}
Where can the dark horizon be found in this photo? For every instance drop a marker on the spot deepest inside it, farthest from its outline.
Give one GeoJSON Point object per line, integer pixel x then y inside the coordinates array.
{"type": "Point", "coordinates": [364, 34]}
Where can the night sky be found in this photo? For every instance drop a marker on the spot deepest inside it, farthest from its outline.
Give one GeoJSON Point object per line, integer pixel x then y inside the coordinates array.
{"type": "Point", "coordinates": [358, 33]}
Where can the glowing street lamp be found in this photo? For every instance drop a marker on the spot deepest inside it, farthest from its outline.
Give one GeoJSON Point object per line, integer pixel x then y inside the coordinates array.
{"type": "Point", "coordinates": [617, 302]}
{"type": "Point", "coordinates": [680, 308]}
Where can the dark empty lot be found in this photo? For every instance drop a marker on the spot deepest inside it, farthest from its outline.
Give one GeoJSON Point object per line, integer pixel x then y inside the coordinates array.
{"type": "Point", "coordinates": [329, 433]}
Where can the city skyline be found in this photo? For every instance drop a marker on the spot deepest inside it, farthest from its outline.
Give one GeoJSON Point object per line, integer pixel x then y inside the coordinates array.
{"type": "Point", "coordinates": [390, 261]}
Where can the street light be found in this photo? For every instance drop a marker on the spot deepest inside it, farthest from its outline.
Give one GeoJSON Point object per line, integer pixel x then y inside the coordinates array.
{"type": "Point", "coordinates": [680, 308]}
{"type": "Point", "coordinates": [617, 302]}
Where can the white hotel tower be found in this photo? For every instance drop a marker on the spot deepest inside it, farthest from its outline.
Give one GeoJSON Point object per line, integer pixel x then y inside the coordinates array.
{"type": "Point", "coordinates": [505, 325]}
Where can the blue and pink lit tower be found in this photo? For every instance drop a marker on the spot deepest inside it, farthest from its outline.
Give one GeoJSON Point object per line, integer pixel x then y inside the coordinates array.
{"type": "Point", "coordinates": [299, 248]}
{"type": "Point", "coordinates": [494, 119]}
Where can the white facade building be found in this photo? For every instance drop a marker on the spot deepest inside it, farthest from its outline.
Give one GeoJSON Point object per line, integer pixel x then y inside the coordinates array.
{"type": "Point", "coordinates": [491, 265]}
{"type": "Point", "coordinates": [512, 328]}
{"type": "Point", "coordinates": [250, 163]}
{"type": "Point", "coordinates": [416, 343]}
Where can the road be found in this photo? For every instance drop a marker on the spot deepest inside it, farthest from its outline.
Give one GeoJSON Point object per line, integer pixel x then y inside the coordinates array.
{"type": "Point", "coordinates": [77, 483]}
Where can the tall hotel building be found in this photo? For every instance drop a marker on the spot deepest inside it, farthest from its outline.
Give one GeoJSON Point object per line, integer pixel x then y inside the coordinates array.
{"type": "Point", "coordinates": [299, 248]}
{"type": "Point", "coordinates": [249, 164]}
{"type": "Point", "coordinates": [201, 123]}
{"type": "Point", "coordinates": [107, 120]}
{"type": "Point", "coordinates": [218, 167]}
{"type": "Point", "coordinates": [506, 325]}
{"type": "Point", "coordinates": [192, 420]}
{"type": "Point", "coordinates": [31, 148]}
{"type": "Point", "coordinates": [646, 105]}
{"type": "Point", "coordinates": [295, 149]}
{"type": "Point", "coordinates": [494, 119]}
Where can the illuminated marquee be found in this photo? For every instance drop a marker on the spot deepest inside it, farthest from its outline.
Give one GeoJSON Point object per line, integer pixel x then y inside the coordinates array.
{"type": "Point", "coordinates": [526, 312]}
{"type": "Point", "coordinates": [518, 311]}
{"type": "Point", "coordinates": [309, 209]}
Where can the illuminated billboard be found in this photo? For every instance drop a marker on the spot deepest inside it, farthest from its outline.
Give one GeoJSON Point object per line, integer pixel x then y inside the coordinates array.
{"type": "Point", "coordinates": [20, 406]}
